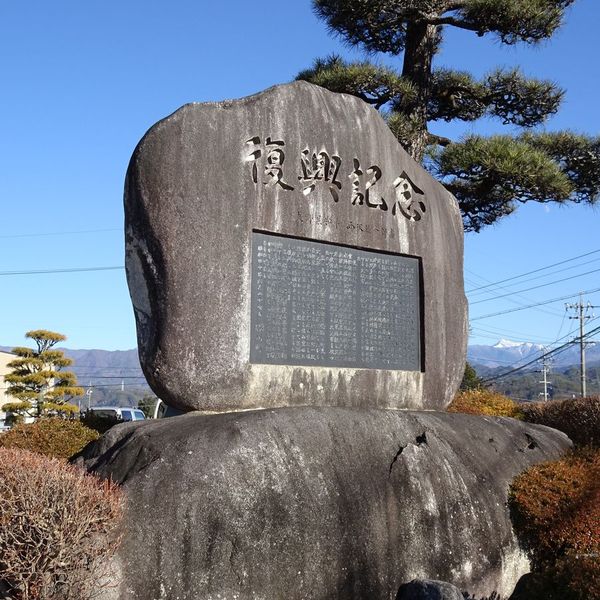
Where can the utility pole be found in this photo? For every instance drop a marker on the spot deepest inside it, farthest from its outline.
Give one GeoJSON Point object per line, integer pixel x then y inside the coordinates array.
{"type": "Point", "coordinates": [89, 393]}
{"type": "Point", "coordinates": [545, 371]}
{"type": "Point", "coordinates": [581, 313]}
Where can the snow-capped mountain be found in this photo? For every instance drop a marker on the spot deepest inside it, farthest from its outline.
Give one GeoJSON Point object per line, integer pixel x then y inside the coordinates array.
{"type": "Point", "coordinates": [506, 353]}
{"type": "Point", "coordinates": [507, 344]}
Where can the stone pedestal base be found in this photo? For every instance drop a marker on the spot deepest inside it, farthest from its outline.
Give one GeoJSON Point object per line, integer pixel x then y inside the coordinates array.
{"type": "Point", "coordinates": [302, 503]}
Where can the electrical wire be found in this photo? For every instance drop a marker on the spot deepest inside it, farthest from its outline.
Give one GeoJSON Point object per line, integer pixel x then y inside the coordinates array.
{"type": "Point", "coordinates": [528, 301]}
{"type": "Point", "coordinates": [535, 287]}
{"type": "Point", "coordinates": [52, 233]}
{"type": "Point", "coordinates": [510, 310]}
{"type": "Point", "coordinates": [553, 352]}
{"type": "Point", "coordinates": [562, 262]}
{"type": "Point", "coordinates": [507, 287]}
{"type": "Point", "coordinates": [517, 336]}
{"type": "Point", "coordinates": [47, 271]}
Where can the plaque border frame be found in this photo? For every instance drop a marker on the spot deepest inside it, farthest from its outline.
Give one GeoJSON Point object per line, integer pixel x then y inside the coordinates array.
{"type": "Point", "coordinates": [421, 299]}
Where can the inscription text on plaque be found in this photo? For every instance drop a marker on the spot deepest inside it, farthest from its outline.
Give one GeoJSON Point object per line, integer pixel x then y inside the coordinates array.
{"type": "Point", "coordinates": [322, 304]}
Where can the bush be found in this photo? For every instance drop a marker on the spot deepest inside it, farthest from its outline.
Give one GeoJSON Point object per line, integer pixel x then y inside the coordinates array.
{"type": "Point", "coordinates": [556, 511]}
{"type": "Point", "coordinates": [58, 438]}
{"type": "Point", "coordinates": [579, 419]}
{"type": "Point", "coordinates": [484, 402]}
{"type": "Point", "coordinates": [58, 527]}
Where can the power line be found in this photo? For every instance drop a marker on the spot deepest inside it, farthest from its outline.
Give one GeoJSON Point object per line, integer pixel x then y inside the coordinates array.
{"type": "Point", "coordinates": [562, 262]}
{"type": "Point", "coordinates": [510, 310]}
{"type": "Point", "coordinates": [111, 385]}
{"type": "Point", "coordinates": [46, 271]}
{"type": "Point", "coordinates": [561, 326]}
{"type": "Point", "coordinates": [514, 335]}
{"type": "Point", "coordinates": [535, 287]}
{"type": "Point", "coordinates": [481, 361]}
{"type": "Point", "coordinates": [562, 347]}
{"type": "Point", "coordinates": [513, 362]}
{"type": "Point", "coordinates": [52, 233]}
{"type": "Point", "coordinates": [111, 376]}
{"type": "Point", "coordinates": [507, 287]}
{"type": "Point", "coordinates": [550, 312]}
{"type": "Point", "coordinates": [553, 352]}
{"type": "Point", "coordinates": [77, 365]}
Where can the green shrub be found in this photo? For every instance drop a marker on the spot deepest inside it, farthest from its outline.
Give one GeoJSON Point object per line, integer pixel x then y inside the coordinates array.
{"type": "Point", "coordinates": [58, 528]}
{"type": "Point", "coordinates": [57, 438]}
{"type": "Point", "coordinates": [578, 418]}
{"type": "Point", "coordinates": [556, 511]}
{"type": "Point", "coordinates": [484, 402]}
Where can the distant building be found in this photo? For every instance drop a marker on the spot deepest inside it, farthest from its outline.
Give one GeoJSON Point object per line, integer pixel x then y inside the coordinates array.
{"type": "Point", "coordinates": [5, 358]}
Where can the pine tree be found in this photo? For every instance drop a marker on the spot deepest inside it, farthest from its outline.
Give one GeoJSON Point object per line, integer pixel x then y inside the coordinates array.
{"type": "Point", "coordinates": [470, 380]}
{"type": "Point", "coordinates": [489, 176]}
{"type": "Point", "coordinates": [37, 380]}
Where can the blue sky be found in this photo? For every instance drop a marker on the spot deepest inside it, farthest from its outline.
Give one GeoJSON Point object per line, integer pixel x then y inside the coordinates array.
{"type": "Point", "coordinates": [83, 81]}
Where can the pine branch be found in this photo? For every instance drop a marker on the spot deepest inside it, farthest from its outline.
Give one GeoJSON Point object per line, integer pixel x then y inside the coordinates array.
{"type": "Point", "coordinates": [578, 157]}
{"type": "Point", "coordinates": [374, 84]}
{"type": "Point", "coordinates": [490, 176]}
{"type": "Point", "coordinates": [514, 21]}
{"type": "Point", "coordinates": [380, 25]}
{"type": "Point", "coordinates": [521, 101]}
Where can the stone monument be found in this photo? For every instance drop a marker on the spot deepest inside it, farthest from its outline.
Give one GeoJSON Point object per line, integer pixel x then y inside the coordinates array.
{"type": "Point", "coordinates": [284, 253]}
{"type": "Point", "coordinates": [283, 249]}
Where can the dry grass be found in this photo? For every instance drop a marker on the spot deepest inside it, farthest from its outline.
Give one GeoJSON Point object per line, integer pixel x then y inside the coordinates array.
{"type": "Point", "coordinates": [484, 402]}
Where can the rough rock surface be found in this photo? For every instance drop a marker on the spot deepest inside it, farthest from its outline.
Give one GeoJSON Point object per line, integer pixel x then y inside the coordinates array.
{"type": "Point", "coordinates": [427, 589]}
{"type": "Point", "coordinates": [198, 186]}
{"type": "Point", "coordinates": [317, 502]}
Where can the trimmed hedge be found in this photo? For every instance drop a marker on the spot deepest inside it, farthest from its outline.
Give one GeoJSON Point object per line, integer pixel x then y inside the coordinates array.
{"type": "Point", "coordinates": [59, 528]}
{"type": "Point", "coordinates": [578, 418]}
{"type": "Point", "coordinates": [53, 437]}
{"type": "Point", "coordinates": [484, 402]}
{"type": "Point", "coordinates": [556, 512]}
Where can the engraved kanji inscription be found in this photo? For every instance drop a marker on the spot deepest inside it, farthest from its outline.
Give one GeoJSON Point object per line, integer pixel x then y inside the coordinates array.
{"type": "Point", "coordinates": [267, 158]}
{"type": "Point", "coordinates": [362, 192]}
{"type": "Point", "coordinates": [409, 198]}
{"type": "Point", "coordinates": [321, 167]}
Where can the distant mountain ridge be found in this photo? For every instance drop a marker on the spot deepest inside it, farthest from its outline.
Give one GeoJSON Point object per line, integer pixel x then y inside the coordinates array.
{"type": "Point", "coordinates": [104, 367]}
{"type": "Point", "coordinates": [114, 368]}
{"type": "Point", "coordinates": [506, 353]}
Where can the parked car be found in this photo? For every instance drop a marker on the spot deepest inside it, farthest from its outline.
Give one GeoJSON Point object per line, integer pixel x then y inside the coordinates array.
{"type": "Point", "coordinates": [118, 412]}
{"type": "Point", "coordinates": [163, 410]}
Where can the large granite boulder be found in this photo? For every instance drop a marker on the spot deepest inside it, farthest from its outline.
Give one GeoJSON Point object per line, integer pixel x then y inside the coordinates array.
{"type": "Point", "coordinates": [302, 503]}
{"type": "Point", "coordinates": [314, 168]}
